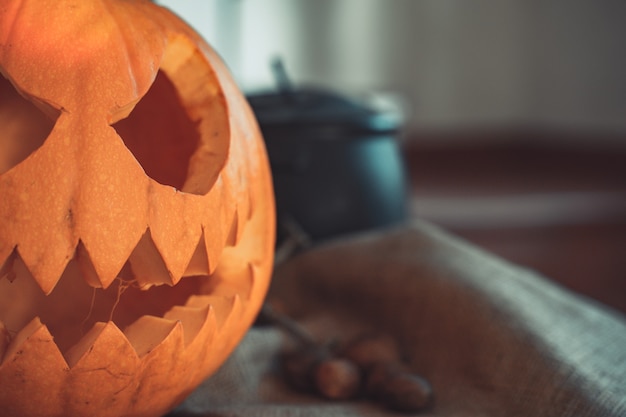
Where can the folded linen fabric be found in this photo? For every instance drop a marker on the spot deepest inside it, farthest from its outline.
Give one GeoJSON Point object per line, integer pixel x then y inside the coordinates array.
{"type": "Point", "coordinates": [493, 339]}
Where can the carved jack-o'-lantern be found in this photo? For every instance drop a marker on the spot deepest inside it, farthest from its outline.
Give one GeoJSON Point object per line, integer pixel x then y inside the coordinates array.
{"type": "Point", "coordinates": [136, 209]}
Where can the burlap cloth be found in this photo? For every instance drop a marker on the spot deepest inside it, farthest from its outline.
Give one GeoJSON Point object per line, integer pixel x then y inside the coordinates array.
{"type": "Point", "coordinates": [493, 339]}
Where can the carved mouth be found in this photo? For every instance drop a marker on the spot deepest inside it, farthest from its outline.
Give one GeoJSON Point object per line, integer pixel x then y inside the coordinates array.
{"type": "Point", "coordinates": [143, 311]}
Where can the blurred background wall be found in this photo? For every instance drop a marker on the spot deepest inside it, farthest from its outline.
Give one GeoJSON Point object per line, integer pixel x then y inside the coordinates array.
{"type": "Point", "coordinates": [455, 64]}
{"type": "Point", "coordinates": [515, 135]}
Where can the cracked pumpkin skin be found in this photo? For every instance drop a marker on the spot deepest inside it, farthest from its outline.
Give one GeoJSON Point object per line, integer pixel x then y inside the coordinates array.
{"type": "Point", "coordinates": [137, 215]}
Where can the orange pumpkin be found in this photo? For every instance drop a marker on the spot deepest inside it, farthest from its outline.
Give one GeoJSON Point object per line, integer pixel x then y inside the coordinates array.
{"type": "Point", "coordinates": [136, 209]}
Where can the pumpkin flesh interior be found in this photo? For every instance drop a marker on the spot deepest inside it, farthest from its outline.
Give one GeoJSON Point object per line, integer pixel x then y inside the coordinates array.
{"type": "Point", "coordinates": [160, 134]}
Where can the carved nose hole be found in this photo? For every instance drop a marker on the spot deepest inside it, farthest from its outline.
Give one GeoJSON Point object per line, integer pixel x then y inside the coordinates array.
{"type": "Point", "coordinates": [23, 126]}
{"type": "Point", "coordinates": [160, 134]}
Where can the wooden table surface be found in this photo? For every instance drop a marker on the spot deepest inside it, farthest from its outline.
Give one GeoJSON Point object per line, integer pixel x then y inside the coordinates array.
{"type": "Point", "coordinates": [552, 202]}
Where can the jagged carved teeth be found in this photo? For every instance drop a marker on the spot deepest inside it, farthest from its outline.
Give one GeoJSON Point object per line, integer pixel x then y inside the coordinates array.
{"type": "Point", "coordinates": [136, 308]}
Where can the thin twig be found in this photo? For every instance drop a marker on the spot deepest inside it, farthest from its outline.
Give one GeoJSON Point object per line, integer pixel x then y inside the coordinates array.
{"type": "Point", "coordinates": [289, 325]}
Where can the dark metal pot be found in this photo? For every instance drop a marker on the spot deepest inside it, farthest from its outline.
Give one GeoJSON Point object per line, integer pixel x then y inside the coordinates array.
{"type": "Point", "coordinates": [336, 163]}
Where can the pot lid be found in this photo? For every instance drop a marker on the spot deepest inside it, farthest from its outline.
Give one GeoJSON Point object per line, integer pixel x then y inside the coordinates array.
{"type": "Point", "coordinates": [316, 108]}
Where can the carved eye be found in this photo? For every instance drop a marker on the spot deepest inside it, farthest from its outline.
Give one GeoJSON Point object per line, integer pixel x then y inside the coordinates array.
{"type": "Point", "coordinates": [160, 134]}
{"type": "Point", "coordinates": [24, 127]}
{"type": "Point", "coordinates": [179, 130]}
